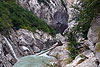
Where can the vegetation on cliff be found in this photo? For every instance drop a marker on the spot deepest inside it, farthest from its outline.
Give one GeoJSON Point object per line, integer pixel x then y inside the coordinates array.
{"type": "Point", "coordinates": [83, 14]}
{"type": "Point", "coordinates": [12, 15]}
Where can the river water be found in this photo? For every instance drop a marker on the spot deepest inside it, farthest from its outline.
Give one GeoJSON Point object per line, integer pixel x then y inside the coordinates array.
{"type": "Point", "coordinates": [34, 60]}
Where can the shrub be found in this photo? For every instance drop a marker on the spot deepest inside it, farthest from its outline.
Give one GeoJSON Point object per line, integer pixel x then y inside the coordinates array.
{"type": "Point", "coordinates": [73, 45]}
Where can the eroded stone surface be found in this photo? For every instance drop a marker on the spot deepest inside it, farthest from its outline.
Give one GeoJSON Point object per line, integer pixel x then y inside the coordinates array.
{"type": "Point", "coordinates": [89, 61]}
{"type": "Point", "coordinates": [53, 12]}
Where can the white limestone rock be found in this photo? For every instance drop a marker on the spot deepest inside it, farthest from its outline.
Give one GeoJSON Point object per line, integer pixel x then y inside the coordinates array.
{"type": "Point", "coordinates": [90, 61]}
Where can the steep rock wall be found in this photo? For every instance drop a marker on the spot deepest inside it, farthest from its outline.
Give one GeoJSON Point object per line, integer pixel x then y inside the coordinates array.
{"type": "Point", "coordinates": [49, 11]}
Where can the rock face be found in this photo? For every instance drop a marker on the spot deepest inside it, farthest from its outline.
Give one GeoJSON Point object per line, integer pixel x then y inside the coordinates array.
{"type": "Point", "coordinates": [94, 30]}
{"type": "Point", "coordinates": [89, 60]}
{"type": "Point", "coordinates": [69, 2]}
{"type": "Point", "coordinates": [6, 59]}
{"type": "Point", "coordinates": [36, 41]}
{"type": "Point", "coordinates": [40, 41]}
{"type": "Point", "coordinates": [51, 11]}
{"type": "Point", "coordinates": [94, 37]}
{"type": "Point", "coordinates": [23, 42]}
{"type": "Point", "coordinates": [93, 54]}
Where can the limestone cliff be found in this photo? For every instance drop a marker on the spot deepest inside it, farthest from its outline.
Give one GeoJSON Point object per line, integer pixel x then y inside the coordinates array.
{"type": "Point", "coordinates": [51, 11]}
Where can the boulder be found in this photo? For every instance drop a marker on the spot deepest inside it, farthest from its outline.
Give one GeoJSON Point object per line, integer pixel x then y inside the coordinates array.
{"type": "Point", "coordinates": [35, 41]}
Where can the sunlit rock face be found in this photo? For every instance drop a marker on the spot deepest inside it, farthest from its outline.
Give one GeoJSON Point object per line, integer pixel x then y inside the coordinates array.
{"type": "Point", "coordinates": [47, 10]}
{"type": "Point", "coordinates": [94, 30]}
{"type": "Point", "coordinates": [70, 13]}
{"type": "Point", "coordinates": [88, 61]}
{"type": "Point", "coordinates": [34, 42]}
{"type": "Point", "coordinates": [69, 2]}
{"type": "Point", "coordinates": [94, 37]}
{"type": "Point", "coordinates": [6, 59]}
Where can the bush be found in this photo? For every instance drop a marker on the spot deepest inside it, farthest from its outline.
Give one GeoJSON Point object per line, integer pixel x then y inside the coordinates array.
{"type": "Point", "coordinates": [73, 45]}
{"type": "Point", "coordinates": [12, 15]}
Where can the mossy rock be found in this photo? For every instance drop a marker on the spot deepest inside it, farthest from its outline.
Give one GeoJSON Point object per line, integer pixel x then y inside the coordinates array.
{"type": "Point", "coordinates": [68, 60]}
{"type": "Point", "coordinates": [98, 47]}
{"type": "Point", "coordinates": [67, 48]}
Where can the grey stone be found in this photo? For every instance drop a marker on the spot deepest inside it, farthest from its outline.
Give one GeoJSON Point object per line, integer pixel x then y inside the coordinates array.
{"type": "Point", "coordinates": [53, 13]}
{"type": "Point", "coordinates": [90, 61]}
{"type": "Point", "coordinates": [36, 49]}
{"type": "Point", "coordinates": [94, 29]}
